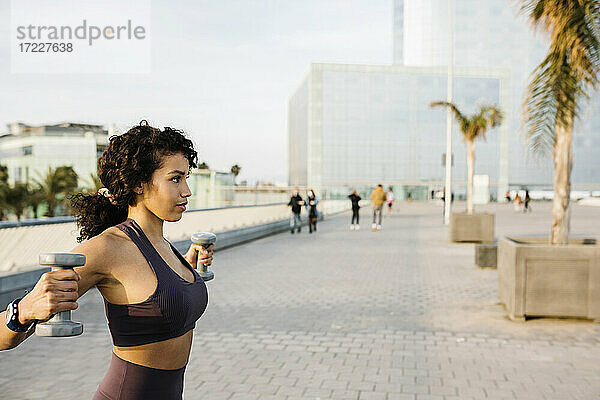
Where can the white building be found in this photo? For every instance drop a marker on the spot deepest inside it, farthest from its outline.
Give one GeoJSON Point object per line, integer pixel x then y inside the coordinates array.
{"type": "Point", "coordinates": [360, 125]}
{"type": "Point", "coordinates": [210, 188]}
{"type": "Point", "coordinates": [28, 151]}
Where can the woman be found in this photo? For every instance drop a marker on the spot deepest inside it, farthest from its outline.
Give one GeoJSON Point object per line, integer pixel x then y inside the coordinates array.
{"type": "Point", "coordinates": [517, 202]}
{"type": "Point", "coordinates": [389, 198]}
{"type": "Point", "coordinates": [153, 295]}
{"type": "Point", "coordinates": [355, 199]}
{"type": "Point", "coordinates": [526, 201]}
{"type": "Point", "coordinates": [311, 208]}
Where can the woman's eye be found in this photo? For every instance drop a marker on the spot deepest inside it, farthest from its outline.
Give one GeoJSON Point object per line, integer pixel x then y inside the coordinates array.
{"type": "Point", "coordinates": [176, 179]}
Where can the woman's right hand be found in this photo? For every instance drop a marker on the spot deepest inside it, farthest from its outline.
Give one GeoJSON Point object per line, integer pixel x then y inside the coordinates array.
{"type": "Point", "coordinates": [56, 291]}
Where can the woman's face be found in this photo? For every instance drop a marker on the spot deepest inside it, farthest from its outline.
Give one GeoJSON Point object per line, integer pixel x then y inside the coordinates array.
{"type": "Point", "coordinates": [166, 195]}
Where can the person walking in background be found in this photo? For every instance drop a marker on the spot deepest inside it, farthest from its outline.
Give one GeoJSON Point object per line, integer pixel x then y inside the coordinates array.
{"type": "Point", "coordinates": [296, 203]}
{"type": "Point", "coordinates": [517, 202]}
{"type": "Point", "coordinates": [378, 197]}
{"type": "Point", "coordinates": [443, 199]}
{"type": "Point", "coordinates": [507, 197]}
{"type": "Point", "coordinates": [311, 208]}
{"type": "Point", "coordinates": [526, 201]}
{"type": "Point", "coordinates": [355, 199]}
{"type": "Point", "coordinates": [390, 199]}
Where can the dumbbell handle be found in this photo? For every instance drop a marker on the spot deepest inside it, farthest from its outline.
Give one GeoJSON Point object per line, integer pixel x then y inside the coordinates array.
{"type": "Point", "coordinates": [205, 239]}
{"type": "Point", "coordinates": [62, 315]}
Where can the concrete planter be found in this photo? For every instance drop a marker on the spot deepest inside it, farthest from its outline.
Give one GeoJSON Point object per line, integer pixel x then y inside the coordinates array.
{"type": "Point", "coordinates": [472, 227]}
{"type": "Point", "coordinates": [486, 255]}
{"type": "Point", "coordinates": [536, 279]}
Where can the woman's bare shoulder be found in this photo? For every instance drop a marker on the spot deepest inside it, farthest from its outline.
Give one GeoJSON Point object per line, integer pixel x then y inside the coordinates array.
{"type": "Point", "coordinates": [103, 250]}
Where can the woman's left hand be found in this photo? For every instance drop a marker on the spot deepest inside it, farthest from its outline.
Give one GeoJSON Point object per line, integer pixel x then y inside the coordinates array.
{"type": "Point", "coordinates": [199, 256]}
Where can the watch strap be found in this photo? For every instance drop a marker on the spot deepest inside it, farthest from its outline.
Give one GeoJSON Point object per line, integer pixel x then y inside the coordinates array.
{"type": "Point", "coordinates": [12, 317]}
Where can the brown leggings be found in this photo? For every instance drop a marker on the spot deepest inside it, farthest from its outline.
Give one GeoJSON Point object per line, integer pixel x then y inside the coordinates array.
{"type": "Point", "coordinates": [128, 381]}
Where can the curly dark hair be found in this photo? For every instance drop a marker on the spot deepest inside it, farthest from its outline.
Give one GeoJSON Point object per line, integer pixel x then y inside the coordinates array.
{"type": "Point", "coordinates": [128, 161]}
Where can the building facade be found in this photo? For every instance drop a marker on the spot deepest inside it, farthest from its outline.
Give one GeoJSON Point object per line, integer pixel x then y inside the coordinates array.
{"type": "Point", "coordinates": [28, 151]}
{"type": "Point", "coordinates": [354, 126]}
{"type": "Point", "coordinates": [357, 126]}
{"type": "Point", "coordinates": [492, 34]}
{"type": "Point", "coordinates": [210, 188]}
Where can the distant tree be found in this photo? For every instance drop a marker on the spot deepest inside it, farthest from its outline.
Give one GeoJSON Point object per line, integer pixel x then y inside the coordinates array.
{"type": "Point", "coordinates": [3, 174]}
{"type": "Point", "coordinates": [203, 165]}
{"type": "Point", "coordinates": [35, 197]}
{"type": "Point", "coordinates": [56, 184]}
{"type": "Point", "coordinates": [235, 170]}
{"type": "Point", "coordinates": [472, 127]}
{"type": "Point", "coordinates": [93, 183]}
{"type": "Point", "coordinates": [16, 198]}
{"type": "Point", "coordinates": [3, 191]}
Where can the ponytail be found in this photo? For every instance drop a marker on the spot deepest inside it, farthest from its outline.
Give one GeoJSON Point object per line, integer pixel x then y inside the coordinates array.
{"type": "Point", "coordinates": [95, 213]}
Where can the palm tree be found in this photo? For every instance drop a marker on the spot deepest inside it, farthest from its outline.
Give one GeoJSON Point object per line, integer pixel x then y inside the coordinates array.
{"type": "Point", "coordinates": [235, 170]}
{"type": "Point", "coordinates": [35, 197]}
{"type": "Point", "coordinates": [93, 183]}
{"type": "Point", "coordinates": [16, 199]}
{"type": "Point", "coordinates": [3, 190]}
{"type": "Point", "coordinates": [565, 77]}
{"type": "Point", "coordinates": [57, 183]}
{"type": "Point", "coordinates": [473, 127]}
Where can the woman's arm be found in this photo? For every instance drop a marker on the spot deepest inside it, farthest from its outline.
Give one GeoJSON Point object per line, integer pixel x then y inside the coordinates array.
{"type": "Point", "coordinates": [58, 291]}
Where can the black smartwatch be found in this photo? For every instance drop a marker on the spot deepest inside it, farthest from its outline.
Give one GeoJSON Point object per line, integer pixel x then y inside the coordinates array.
{"type": "Point", "coordinates": [12, 317]}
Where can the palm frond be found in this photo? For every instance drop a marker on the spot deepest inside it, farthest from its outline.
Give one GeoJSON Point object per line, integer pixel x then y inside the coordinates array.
{"type": "Point", "coordinates": [473, 126]}
{"type": "Point", "coordinates": [569, 71]}
{"type": "Point", "coordinates": [463, 120]}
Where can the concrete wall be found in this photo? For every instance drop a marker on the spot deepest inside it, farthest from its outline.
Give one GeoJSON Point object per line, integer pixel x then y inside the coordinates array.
{"type": "Point", "coordinates": [233, 225]}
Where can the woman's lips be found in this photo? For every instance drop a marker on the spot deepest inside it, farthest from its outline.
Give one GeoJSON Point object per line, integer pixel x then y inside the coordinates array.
{"type": "Point", "coordinates": [181, 207]}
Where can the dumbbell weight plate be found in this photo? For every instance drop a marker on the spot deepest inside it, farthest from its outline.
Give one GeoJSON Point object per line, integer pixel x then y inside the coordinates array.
{"type": "Point", "coordinates": [204, 238]}
{"type": "Point", "coordinates": [62, 259]}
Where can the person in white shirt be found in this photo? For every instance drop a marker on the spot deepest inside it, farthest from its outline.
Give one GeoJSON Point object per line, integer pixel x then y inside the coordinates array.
{"type": "Point", "coordinates": [389, 199]}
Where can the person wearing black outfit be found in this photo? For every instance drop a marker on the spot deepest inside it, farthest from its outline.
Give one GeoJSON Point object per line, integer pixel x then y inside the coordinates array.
{"type": "Point", "coordinates": [526, 201]}
{"type": "Point", "coordinates": [311, 208]}
{"type": "Point", "coordinates": [354, 198]}
{"type": "Point", "coordinates": [296, 203]}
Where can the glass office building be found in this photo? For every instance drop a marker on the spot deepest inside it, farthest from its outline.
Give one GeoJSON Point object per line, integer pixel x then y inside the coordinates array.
{"type": "Point", "coordinates": [357, 126]}
{"type": "Point", "coordinates": [487, 34]}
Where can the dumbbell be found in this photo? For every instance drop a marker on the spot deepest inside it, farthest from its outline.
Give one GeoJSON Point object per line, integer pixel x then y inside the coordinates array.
{"type": "Point", "coordinates": [60, 325]}
{"type": "Point", "coordinates": [205, 239]}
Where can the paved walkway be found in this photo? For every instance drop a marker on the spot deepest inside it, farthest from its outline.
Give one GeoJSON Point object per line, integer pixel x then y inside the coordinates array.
{"type": "Point", "coordinates": [396, 314]}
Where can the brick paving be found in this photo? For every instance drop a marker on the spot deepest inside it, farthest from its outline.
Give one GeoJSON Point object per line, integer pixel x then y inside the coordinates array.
{"type": "Point", "coordinates": [396, 314]}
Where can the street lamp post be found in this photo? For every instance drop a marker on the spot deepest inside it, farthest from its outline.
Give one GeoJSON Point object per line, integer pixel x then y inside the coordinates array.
{"type": "Point", "coordinates": [448, 193]}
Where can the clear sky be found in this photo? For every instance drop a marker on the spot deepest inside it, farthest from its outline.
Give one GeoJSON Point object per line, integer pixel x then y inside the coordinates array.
{"type": "Point", "coordinates": [222, 70]}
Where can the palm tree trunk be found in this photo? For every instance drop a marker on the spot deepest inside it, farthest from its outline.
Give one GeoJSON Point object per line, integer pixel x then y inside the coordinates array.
{"type": "Point", "coordinates": [563, 163]}
{"type": "Point", "coordinates": [470, 164]}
